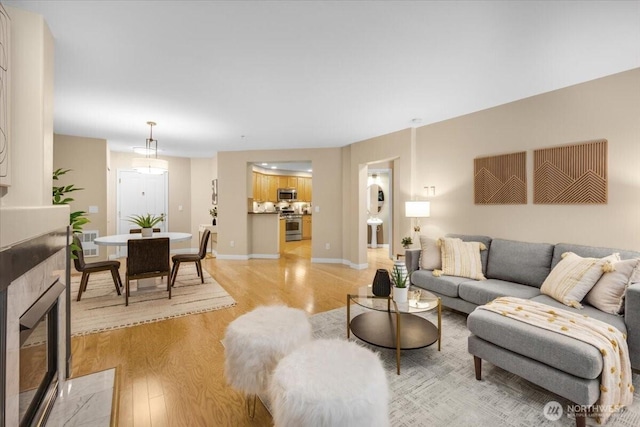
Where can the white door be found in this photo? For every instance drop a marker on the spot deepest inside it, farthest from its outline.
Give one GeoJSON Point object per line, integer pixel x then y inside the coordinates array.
{"type": "Point", "coordinates": [140, 194]}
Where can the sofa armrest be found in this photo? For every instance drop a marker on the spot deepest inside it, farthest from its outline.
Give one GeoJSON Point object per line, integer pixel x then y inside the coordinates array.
{"type": "Point", "coordinates": [632, 320]}
{"type": "Point", "coordinates": [412, 259]}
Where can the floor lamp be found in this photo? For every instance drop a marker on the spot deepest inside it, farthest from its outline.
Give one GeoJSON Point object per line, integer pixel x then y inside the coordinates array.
{"type": "Point", "coordinates": [417, 209]}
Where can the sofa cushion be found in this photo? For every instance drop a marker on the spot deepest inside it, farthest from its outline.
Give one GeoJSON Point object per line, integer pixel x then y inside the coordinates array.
{"type": "Point", "coordinates": [608, 293]}
{"type": "Point", "coordinates": [588, 251]}
{"type": "Point", "coordinates": [445, 285]}
{"type": "Point", "coordinates": [573, 277]}
{"type": "Point", "coordinates": [461, 258]}
{"type": "Point", "coordinates": [520, 262]}
{"type": "Point", "coordinates": [430, 257]}
{"type": "Point", "coordinates": [558, 351]}
{"type": "Point", "coordinates": [481, 292]}
{"type": "Point", "coordinates": [587, 310]}
{"type": "Point", "coordinates": [486, 240]}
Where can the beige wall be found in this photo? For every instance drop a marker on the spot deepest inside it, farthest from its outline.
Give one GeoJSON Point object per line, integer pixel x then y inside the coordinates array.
{"type": "Point", "coordinates": [235, 187]}
{"type": "Point", "coordinates": [202, 172]}
{"type": "Point", "coordinates": [604, 108]}
{"type": "Point", "coordinates": [31, 104]}
{"type": "Point", "coordinates": [87, 159]}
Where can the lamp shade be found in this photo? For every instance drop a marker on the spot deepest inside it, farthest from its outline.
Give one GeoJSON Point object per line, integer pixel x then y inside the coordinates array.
{"type": "Point", "coordinates": [417, 209]}
{"type": "Point", "coordinates": [150, 165]}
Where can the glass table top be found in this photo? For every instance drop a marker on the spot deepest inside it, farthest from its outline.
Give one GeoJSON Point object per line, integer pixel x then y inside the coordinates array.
{"type": "Point", "coordinates": [419, 300]}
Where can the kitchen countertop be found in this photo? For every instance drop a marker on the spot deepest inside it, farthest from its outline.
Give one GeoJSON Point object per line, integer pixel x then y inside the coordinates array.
{"type": "Point", "coordinates": [263, 213]}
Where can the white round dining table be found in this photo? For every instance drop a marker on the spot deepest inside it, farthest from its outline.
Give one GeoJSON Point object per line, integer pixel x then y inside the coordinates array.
{"type": "Point", "coordinates": [122, 239]}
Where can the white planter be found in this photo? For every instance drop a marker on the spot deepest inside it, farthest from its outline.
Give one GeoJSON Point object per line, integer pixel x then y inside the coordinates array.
{"type": "Point", "coordinates": [147, 232]}
{"type": "Point", "coordinates": [400, 294]}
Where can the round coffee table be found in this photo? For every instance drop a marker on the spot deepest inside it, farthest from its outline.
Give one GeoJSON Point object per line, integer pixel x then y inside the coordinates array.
{"type": "Point", "coordinates": [394, 325]}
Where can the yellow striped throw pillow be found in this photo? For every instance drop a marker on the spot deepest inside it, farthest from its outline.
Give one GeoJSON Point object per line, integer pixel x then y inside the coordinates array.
{"type": "Point", "coordinates": [573, 277]}
{"type": "Point", "coordinates": [460, 258]}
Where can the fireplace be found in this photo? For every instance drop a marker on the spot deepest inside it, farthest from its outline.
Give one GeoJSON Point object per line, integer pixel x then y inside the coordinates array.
{"type": "Point", "coordinates": [34, 320]}
{"type": "Point", "coordinates": [39, 357]}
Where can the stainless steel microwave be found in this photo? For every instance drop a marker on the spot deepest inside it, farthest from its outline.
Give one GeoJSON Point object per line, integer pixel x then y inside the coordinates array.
{"type": "Point", "coordinates": [287, 194]}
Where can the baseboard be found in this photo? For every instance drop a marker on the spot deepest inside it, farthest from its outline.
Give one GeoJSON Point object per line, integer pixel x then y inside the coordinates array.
{"type": "Point", "coordinates": [264, 256]}
{"type": "Point", "coordinates": [233, 257]}
{"type": "Point", "coordinates": [339, 261]}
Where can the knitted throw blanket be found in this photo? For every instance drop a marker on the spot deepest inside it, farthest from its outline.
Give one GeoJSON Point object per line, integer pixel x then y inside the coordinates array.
{"type": "Point", "coordinates": [616, 389]}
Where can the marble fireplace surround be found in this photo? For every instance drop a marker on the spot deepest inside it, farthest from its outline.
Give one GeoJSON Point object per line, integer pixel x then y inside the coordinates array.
{"type": "Point", "coordinates": [33, 252]}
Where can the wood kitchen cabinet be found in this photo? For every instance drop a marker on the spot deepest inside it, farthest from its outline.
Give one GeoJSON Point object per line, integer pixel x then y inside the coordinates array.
{"type": "Point", "coordinates": [283, 181]}
{"type": "Point", "coordinates": [264, 190]}
{"type": "Point", "coordinates": [306, 227]}
{"type": "Point", "coordinates": [304, 189]}
{"type": "Point", "coordinates": [273, 188]}
{"type": "Point", "coordinates": [265, 187]}
{"type": "Point", "coordinates": [257, 186]}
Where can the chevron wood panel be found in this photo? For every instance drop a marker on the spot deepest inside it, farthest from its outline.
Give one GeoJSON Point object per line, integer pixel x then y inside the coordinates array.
{"type": "Point", "coordinates": [572, 174]}
{"type": "Point", "coordinates": [501, 180]}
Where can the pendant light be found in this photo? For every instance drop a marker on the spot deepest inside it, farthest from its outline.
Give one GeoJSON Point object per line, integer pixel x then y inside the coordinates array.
{"type": "Point", "coordinates": [150, 164]}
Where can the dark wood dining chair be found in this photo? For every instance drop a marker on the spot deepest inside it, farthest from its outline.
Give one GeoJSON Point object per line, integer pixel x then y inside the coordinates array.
{"type": "Point", "coordinates": [139, 230]}
{"type": "Point", "coordinates": [147, 258]}
{"type": "Point", "coordinates": [93, 267]}
{"type": "Point", "coordinates": [197, 258]}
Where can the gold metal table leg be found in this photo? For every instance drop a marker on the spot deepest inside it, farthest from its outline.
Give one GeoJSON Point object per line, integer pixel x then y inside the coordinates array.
{"type": "Point", "coordinates": [395, 305]}
{"type": "Point", "coordinates": [439, 323]}
{"type": "Point", "coordinates": [348, 316]}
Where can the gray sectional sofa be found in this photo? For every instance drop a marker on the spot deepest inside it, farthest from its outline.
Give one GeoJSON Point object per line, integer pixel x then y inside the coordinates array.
{"type": "Point", "coordinates": [561, 364]}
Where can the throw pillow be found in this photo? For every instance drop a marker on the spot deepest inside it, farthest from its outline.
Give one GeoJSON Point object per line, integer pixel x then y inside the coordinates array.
{"type": "Point", "coordinates": [460, 258]}
{"type": "Point", "coordinates": [573, 277]}
{"type": "Point", "coordinates": [430, 258]}
{"type": "Point", "coordinates": [608, 293]}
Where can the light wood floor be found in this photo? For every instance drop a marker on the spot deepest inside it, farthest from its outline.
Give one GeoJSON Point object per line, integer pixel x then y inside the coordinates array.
{"type": "Point", "coordinates": [171, 373]}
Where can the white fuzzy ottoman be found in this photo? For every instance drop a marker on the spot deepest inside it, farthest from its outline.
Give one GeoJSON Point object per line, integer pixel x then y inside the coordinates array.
{"type": "Point", "coordinates": [330, 383]}
{"type": "Point", "coordinates": [255, 342]}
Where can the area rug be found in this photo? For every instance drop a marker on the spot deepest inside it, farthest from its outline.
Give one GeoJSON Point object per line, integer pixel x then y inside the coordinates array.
{"type": "Point", "coordinates": [438, 388]}
{"type": "Point", "coordinates": [102, 309]}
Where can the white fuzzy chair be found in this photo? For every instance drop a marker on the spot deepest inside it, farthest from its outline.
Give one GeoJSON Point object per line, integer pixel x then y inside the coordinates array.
{"type": "Point", "coordinates": [330, 383]}
{"type": "Point", "coordinates": [255, 342]}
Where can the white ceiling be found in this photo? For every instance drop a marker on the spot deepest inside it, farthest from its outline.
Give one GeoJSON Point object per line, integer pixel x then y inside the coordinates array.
{"type": "Point", "coordinates": [240, 75]}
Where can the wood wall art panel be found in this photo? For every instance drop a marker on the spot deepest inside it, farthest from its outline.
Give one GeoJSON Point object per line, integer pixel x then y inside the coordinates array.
{"type": "Point", "coordinates": [572, 174]}
{"type": "Point", "coordinates": [501, 180]}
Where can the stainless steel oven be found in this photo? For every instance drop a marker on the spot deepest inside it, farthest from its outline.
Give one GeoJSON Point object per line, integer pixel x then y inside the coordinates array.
{"type": "Point", "coordinates": [293, 227]}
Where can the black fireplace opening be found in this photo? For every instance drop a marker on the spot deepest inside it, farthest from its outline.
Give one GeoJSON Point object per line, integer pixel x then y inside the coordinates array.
{"type": "Point", "coordinates": [39, 357]}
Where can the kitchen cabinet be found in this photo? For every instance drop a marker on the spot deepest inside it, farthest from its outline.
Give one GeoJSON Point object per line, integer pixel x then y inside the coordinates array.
{"type": "Point", "coordinates": [306, 227]}
{"type": "Point", "coordinates": [283, 181]}
{"type": "Point", "coordinates": [304, 189]}
{"type": "Point", "coordinates": [292, 182]}
{"type": "Point", "coordinates": [273, 188]}
{"type": "Point", "coordinates": [257, 186]}
{"type": "Point", "coordinates": [264, 188]}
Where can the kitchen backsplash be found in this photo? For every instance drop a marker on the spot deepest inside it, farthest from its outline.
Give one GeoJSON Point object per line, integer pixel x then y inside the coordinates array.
{"type": "Point", "coordinates": [298, 207]}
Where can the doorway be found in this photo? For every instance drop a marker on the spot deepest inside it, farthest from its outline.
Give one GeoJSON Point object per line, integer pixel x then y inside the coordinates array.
{"type": "Point", "coordinates": [140, 194]}
{"type": "Point", "coordinates": [380, 207]}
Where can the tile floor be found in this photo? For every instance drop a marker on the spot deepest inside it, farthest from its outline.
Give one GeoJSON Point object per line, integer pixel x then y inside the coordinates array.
{"type": "Point", "coordinates": [84, 401]}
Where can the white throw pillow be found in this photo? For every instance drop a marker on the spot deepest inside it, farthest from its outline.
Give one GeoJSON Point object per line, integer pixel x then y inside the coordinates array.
{"type": "Point", "coordinates": [608, 293]}
{"type": "Point", "coordinates": [460, 258]}
{"type": "Point", "coordinates": [573, 277]}
{"type": "Point", "coordinates": [430, 257]}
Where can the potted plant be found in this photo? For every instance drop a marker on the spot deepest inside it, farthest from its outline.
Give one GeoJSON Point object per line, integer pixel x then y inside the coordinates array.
{"type": "Point", "coordinates": [146, 222]}
{"type": "Point", "coordinates": [214, 214]}
{"type": "Point", "coordinates": [406, 242]}
{"type": "Point", "coordinates": [401, 279]}
{"type": "Point", "coordinates": [77, 219]}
